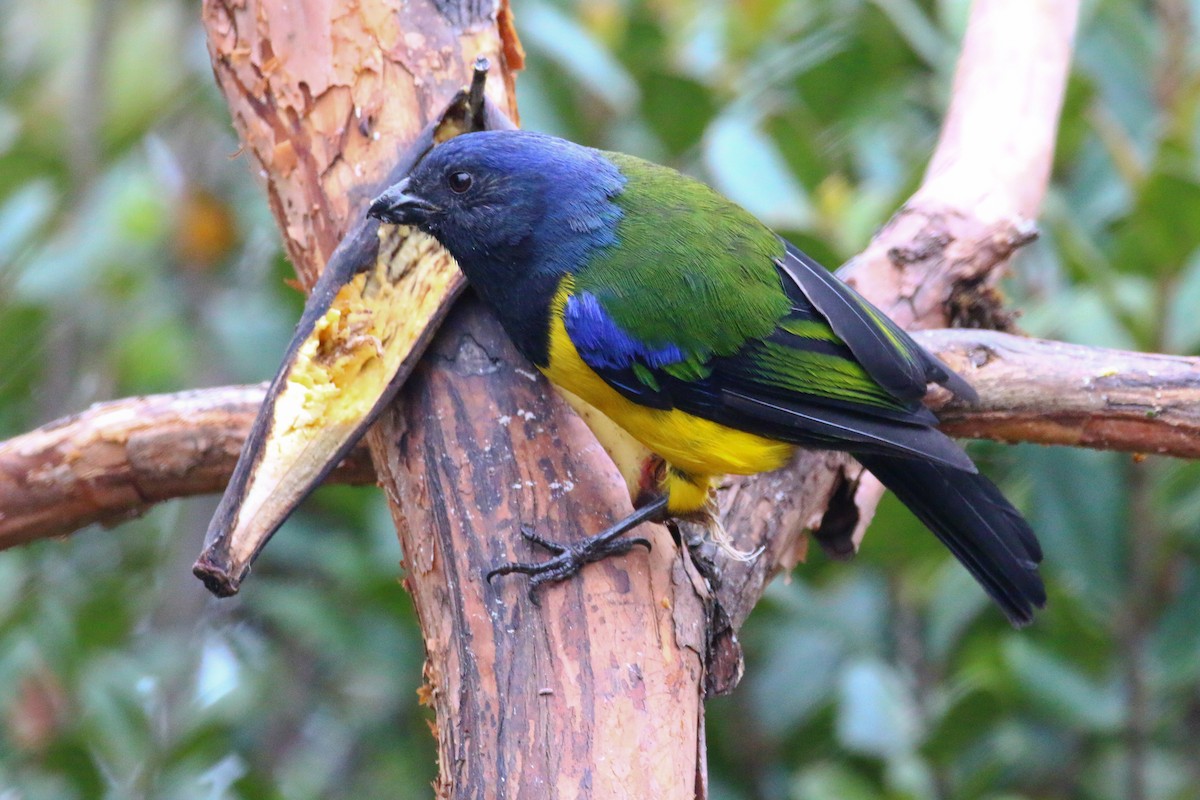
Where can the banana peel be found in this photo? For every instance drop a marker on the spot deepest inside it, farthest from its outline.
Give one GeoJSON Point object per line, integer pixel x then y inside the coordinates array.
{"type": "Point", "coordinates": [370, 316]}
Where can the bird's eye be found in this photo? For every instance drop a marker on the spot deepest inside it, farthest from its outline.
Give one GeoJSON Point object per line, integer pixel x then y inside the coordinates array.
{"type": "Point", "coordinates": [460, 182]}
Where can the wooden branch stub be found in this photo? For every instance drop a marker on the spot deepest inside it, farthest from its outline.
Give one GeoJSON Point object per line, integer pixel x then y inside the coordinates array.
{"type": "Point", "coordinates": [1059, 393]}
{"type": "Point", "coordinates": [932, 267]}
{"type": "Point", "coordinates": [115, 460]}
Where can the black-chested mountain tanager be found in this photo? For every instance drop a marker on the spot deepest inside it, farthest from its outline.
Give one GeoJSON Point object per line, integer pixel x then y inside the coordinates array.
{"type": "Point", "coordinates": [714, 342]}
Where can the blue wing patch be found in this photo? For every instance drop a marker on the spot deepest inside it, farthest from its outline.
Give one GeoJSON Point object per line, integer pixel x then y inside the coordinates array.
{"type": "Point", "coordinates": [627, 364]}
{"type": "Point", "coordinates": [605, 345]}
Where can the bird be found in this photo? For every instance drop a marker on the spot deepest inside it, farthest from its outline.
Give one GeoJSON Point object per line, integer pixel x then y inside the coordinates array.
{"type": "Point", "coordinates": [714, 342]}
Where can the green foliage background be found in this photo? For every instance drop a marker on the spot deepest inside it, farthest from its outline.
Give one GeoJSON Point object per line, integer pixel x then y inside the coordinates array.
{"type": "Point", "coordinates": [136, 255]}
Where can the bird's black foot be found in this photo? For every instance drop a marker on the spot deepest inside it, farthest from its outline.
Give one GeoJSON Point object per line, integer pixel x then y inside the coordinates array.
{"type": "Point", "coordinates": [568, 559]}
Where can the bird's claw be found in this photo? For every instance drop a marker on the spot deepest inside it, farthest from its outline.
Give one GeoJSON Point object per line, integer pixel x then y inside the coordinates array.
{"type": "Point", "coordinates": [567, 559]}
{"type": "Point", "coordinates": [530, 535]}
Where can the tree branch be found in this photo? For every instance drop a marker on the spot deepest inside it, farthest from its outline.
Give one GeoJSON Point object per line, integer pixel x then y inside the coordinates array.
{"type": "Point", "coordinates": [1033, 390]}
{"type": "Point", "coordinates": [116, 460]}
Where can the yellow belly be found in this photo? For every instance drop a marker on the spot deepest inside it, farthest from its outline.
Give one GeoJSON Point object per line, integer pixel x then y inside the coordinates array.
{"type": "Point", "coordinates": [698, 447]}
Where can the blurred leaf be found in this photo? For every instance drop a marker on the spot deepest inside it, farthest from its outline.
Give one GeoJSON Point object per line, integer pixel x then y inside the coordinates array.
{"type": "Point", "coordinates": [1164, 226]}
{"type": "Point", "coordinates": [1075, 130]}
{"type": "Point", "coordinates": [1175, 642]}
{"type": "Point", "coordinates": [22, 214]}
{"type": "Point", "coordinates": [1061, 692]}
{"type": "Point", "coordinates": [909, 776]}
{"type": "Point", "coordinates": [578, 53]}
{"type": "Point", "coordinates": [953, 605]}
{"type": "Point", "coordinates": [747, 168]}
{"type": "Point", "coordinates": [1081, 521]}
{"type": "Point", "coordinates": [1008, 752]}
{"type": "Point", "coordinates": [23, 331]}
{"type": "Point", "coordinates": [143, 72]}
{"type": "Point", "coordinates": [876, 712]}
{"type": "Point", "coordinates": [1118, 53]}
{"type": "Point", "coordinates": [10, 128]}
{"type": "Point", "coordinates": [813, 634]}
{"type": "Point", "coordinates": [677, 109]}
{"type": "Point", "coordinates": [796, 677]}
{"type": "Point", "coordinates": [918, 31]}
{"type": "Point", "coordinates": [250, 331]}
{"type": "Point", "coordinates": [832, 782]}
{"type": "Point", "coordinates": [154, 358]}
{"type": "Point", "coordinates": [780, 62]}
{"type": "Point", "coordinates": [969, 715]}
{"type": "Point", "coordinates": [700, 49]}
{"type": "Point", "coordinates": [1181, 332]}
{"type": "Point", "coordinates": [118, 220]}
{"type": "Point", "coordinates": [953, 15]}
{"type": "Point", "coordinates": [1168, 776]}
{"type": "Point", "coordinates": [1086, 315]}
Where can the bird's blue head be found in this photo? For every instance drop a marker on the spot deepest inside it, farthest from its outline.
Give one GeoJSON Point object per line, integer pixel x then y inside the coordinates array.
{"type": "Point", "coordinates": [510, 205]}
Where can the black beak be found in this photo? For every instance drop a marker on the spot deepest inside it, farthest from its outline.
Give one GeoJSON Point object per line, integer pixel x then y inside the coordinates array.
{"type": "Point", "coordinates": [399, 207]}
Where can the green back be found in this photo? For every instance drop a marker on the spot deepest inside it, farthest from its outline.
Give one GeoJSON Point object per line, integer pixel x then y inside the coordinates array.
{"type": "Point", "coordinates": [696, 271]}
{"type": "Point", "coordinates": [677, 234]}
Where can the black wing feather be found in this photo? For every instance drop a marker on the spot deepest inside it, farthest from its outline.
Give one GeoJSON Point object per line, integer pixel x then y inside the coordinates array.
{"type": "Point", "coordinates": [832, 428]}
{"type": "Point", "coordinates": [887, 353]}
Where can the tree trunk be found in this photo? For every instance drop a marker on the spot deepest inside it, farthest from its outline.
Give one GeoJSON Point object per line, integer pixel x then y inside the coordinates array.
{"type": "Point", "coordinates": [597, 692]}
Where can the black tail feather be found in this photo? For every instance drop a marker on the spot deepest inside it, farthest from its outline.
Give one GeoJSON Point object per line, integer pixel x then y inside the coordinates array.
{"type": "Point", "coordinates": [980, 527]}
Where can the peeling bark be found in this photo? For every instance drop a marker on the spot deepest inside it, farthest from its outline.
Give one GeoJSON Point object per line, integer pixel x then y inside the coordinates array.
{"type": "Point", "coordinates": [325, 94]}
